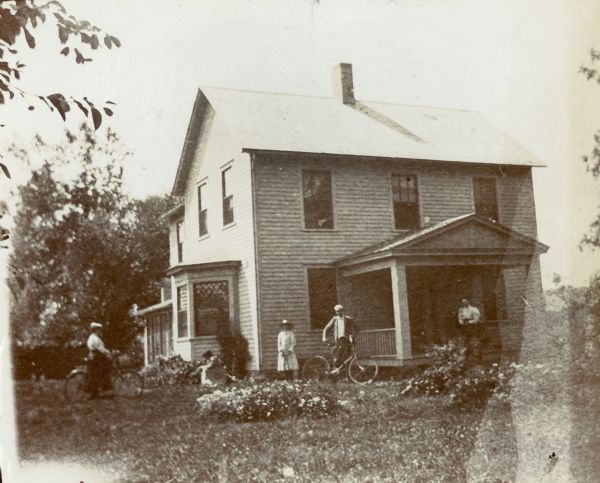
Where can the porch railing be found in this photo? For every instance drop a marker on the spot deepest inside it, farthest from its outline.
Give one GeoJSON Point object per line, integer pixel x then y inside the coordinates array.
{"type": "Point", "coordinates": [378, 342]}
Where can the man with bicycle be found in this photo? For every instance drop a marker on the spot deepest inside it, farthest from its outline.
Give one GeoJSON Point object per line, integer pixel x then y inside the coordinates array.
{"type": "Point", "coordinates": [344, 330]}
{"type": "Point", "coordinates": [100, 361]}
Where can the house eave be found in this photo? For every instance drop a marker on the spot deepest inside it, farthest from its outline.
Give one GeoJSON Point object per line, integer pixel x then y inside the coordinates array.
{"type": "Point", "coordinates": [197, 267]}
{"type": "Point", "coordinates": [391, 158]}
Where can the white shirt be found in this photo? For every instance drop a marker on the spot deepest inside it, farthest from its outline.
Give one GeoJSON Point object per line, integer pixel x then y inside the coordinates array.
{"type": "Point", "coordinates": [468, 315]}
{"type": "Point", "coordinates": [94, 343]}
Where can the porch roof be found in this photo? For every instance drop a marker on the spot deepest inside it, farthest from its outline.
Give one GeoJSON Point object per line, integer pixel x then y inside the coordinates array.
{"type": "Point", "coordinates": [196, 267]}
{"type": "Point", "coordinates": [468, 235]}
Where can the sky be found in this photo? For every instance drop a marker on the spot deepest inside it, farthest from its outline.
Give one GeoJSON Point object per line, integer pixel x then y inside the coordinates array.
{"type": "Point", "coordinates": [516, 61]}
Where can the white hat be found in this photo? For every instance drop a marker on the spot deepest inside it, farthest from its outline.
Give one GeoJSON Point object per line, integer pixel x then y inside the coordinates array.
{"type": "Point", "coordinates": [95, 325]}
{"type": "Point", "coordinates": [338, 307]}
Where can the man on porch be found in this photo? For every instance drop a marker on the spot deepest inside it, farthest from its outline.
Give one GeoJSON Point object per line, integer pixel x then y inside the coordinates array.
{"type": "Point", "coordinates": [469, 319]}
{"type": "Point", "coordinates": [344, 330]}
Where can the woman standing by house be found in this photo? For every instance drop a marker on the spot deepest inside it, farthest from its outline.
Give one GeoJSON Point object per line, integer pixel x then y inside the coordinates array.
{"type": "Point", "coordinates": [287, 363]}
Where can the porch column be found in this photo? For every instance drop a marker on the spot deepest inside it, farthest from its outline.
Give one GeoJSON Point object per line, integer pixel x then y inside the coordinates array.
{"type": "Point", "coordinates": [401, 317]}
{"type": "Point", "coordinates": [146, 358]}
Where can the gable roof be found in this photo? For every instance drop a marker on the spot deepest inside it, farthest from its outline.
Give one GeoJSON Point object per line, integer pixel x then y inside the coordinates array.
{"type": "Point", "coordinates": [322, 125]}
{"type": "Point", "coordinates": [465, 233]}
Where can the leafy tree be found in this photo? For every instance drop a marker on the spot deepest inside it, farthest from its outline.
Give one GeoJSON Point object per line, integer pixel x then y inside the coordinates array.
{"type": "Point", "coordinates": [20, 18]}
{"type": "Point", "coordinates": [84, 251]}
{"type": "Point", "coordinates": [592, 160]}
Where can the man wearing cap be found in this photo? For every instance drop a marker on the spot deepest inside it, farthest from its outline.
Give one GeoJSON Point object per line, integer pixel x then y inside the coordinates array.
{"type": "Point", "coordinates": [344, 329]}
{"type": "Point", "coordinates": [100, 361]}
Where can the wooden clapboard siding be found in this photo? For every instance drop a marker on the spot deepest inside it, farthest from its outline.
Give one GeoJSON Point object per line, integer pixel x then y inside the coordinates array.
{"type": "Point", "coordinates": [216, 149]}
{"type": "Point", "coordinates": [363, 216]}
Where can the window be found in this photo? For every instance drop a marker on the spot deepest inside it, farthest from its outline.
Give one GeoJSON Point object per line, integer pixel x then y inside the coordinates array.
{"type": "Point", "coordinates": [406, 202]}
{"type": "Point", "coordinates": [211, 307]}
{"type": "Point", "coordinates": [182, 306]}
{"type": "Point", "coordinates": [484, 196]}
{"type": "Point", "coordinates": [180, 241]}
{"type": "Point", "coordinates": [202, 226]}
{"type": "Point", "coordinates": [227, 196]}
{"type": "Point", "coordinates": [318, 201]}
{"type": "Point", "coordinates": [322, 295]}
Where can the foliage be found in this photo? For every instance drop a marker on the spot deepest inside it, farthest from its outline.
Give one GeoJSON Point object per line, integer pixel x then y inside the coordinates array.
{"type": "Point", "coordinates": [592, 160]}
{"type": "Point", "coordinates": [581, 307]}
{"type": "Point", "coordinates": [234, 347]}
{"type": "Point", "coordinates": [19, 19]}
{"type": "Point", "coordinates": [172, 370]}
{"type": "Point", "coordinates": [160, 438]}
{"type": "Point", "coordinates": [268, 401]}
{"type": "Point", "coordinates": [451, 373]}
{"type": "Point", "coordinates": [83, 250]}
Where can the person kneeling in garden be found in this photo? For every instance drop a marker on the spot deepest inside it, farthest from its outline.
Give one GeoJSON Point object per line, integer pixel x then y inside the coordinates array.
{"type": "Point", "coordinates": [100, 362]}
{"type": "Point", "coordinates": [287, 363]}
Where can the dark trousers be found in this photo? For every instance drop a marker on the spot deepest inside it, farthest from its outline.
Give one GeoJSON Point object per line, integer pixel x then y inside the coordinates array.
{"type": "Point", "coordinates": [341, 351]}
{"type": "Point", "coordinates": [472, 335]}
{"type": "Point", "coordinates": [99, 373]}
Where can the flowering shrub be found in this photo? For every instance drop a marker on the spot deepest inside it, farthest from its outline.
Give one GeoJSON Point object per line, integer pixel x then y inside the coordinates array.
{"type": "Point", "coordinates": [451, 373]}
{"type": "Point", "coordinates": [172, 370]}
{"type": "Point", "coordinates": [268, 401]}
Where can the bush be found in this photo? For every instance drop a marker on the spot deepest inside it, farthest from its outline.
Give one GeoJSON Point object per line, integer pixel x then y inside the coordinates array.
{"type": "Point", "coordinates": [172, 370]}
{"type": "Point", "coordinates": [234, 348]}
{"type": "Point", "coordinates": [269, 401]}
{"type": "Point", "coordinates": [451, 373]}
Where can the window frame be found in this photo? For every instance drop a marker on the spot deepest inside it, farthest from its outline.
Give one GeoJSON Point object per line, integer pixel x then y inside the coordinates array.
{"type": "Point", "coordinates": [229, 198]}
{"type": "Point", "coordinates": [201, 198]}
{"type": "Point", "coordinates": [496, 203]}
{"type": "Point", "coordinates": [419, 224]}
{"type": "Point", "coordinates": [186, 312]}
{"type": "Point", "coordinates": [331, 173]}
{"type": "Point", "coordinates": [179, 237]}
{"type": "Point", "coordinates": [309, 319]}
{"type": "Point", "coordinates": [230, 306]}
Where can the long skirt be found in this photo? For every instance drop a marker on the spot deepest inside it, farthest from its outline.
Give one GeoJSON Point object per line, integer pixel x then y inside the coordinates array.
{"type": "Point", "coordinates": [288, 362]}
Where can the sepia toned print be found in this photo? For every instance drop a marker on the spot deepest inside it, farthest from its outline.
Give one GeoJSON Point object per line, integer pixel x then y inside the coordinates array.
{"type": "Point", "coordinates": [241, 244]}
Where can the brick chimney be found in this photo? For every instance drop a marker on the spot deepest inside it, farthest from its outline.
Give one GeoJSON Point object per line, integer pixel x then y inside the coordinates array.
{"type": "Point", "coordinates": [343, 85]}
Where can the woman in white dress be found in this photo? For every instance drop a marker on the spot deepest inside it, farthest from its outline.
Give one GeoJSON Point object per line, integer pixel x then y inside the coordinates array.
{"type": "Point", "coordinates": [287, 363]}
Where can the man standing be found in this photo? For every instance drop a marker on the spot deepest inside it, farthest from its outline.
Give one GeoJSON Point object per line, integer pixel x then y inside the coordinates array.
{"type": "Point", "coordinates": [469, 319]}
{"type": "Point", "coordinates": [100, 362]}
{"type": "Point", "coordinates": [344, 331]}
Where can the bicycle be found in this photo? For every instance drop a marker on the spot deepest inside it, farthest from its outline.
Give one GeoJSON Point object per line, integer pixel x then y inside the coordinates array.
{"type": "Point", "coordinates": [126, 382]}
{"type": "Point", "coordinates": [319, 368]}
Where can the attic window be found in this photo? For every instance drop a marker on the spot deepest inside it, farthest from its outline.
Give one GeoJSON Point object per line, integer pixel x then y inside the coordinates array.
{"type": "Point", "coordinates": [318, 200]}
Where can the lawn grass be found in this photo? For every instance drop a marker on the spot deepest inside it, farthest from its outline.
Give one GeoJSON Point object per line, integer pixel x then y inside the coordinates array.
{"type": "Point", "coordinates": [382, 437]}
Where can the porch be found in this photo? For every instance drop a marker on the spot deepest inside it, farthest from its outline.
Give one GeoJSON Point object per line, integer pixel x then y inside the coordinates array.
{"type": "Point", "coordinates": [406, 293]}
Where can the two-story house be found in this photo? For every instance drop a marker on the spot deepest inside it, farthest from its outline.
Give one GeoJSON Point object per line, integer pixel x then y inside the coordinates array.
{"type": "Point", "coordinates": [294, 203]}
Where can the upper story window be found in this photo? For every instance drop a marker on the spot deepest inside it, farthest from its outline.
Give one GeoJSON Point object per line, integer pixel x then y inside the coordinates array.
{"type": "Point", "coordinates": [180, 235]}
{"type": "Point", "coordinates": [406, 202]}
{"type": "Point", "coordinates": [202, 211]}
{"type": "Point", "coordinates": [211, 306]}
{"type": "Point", "coordinates": [484, 197]}
{"type": "Point", "coordinates": [182, 306]}
{"type": "Point", "coordinates": [227, 196]}
{"type": "Point", "coordinates": [318, 199]}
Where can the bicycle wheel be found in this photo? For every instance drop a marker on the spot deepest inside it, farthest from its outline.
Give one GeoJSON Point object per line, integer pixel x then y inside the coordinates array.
{"type": "Point", "coordinates": [128, 384]}
{"type": "Point", "coordinates": [75, 387]}
{"type": "Point", "coordinates": [362, 373]}
{"type": "Point", "coordinates": [315, 368]}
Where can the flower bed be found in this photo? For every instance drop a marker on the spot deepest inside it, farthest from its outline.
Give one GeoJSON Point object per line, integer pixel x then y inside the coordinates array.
{"type": "Point", "coordinates": [268, 401]}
